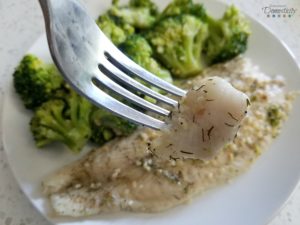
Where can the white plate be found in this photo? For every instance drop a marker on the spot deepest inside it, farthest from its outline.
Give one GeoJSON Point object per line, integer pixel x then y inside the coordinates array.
{"type": "Point", "coordinates": [251, 199]}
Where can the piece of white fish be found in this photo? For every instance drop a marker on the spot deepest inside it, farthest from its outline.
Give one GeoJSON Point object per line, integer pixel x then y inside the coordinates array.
{"type": "Point", "coordinates": [207, 118]}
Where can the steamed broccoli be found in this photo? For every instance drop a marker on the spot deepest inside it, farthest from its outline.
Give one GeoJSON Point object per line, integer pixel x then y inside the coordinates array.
{"type": "Point", "coordinates": [139, 14]}
{"type": "Point", "coordinates": [106, 126]}
{"type": "Point", "coordinates": [116, 30]}
{"type": "Point", "coordinates": [180, 7]}
{"type": "Point", "coordinates": [64, 119]}
{"type": "Point", "coordinates": [178, 43]}
{"type": "Point", "coordinates": [145, 3]}
{"type": "Point", "coordinates": [35, 81]}
{"type": "Point", "coordinates": [228, 36]}
{"type": "Point", "coordinates": [61, 115]}
{"type": "Point", "coordinates": [139, 50]}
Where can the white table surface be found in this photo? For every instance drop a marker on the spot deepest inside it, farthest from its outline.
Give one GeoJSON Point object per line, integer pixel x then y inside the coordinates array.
{"type": "Point", "coordinates": [21, 24]}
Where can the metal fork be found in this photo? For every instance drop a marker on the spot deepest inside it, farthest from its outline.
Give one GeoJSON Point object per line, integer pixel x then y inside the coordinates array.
{"type": "Point", "coordinates": [90, 63]}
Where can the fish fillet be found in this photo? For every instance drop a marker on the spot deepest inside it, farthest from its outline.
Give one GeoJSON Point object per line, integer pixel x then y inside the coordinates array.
{"type": "Point", "coordinates": [125, 175]}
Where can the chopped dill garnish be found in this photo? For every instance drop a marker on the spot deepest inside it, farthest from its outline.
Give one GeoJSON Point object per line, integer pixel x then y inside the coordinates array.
{"type": "Point", "coordinates": [169, 145]}
{"type": "Point", "coordinates": [185, 152]}
{"type": "Point", "coordinates": [273, 115]}
{"type": "Point", "coordinates": [209, 132]}
{"type": "Point", "coordinates": [248, 102]}
{"type": "Point", "coordinates": [232, 116]}
{"type": "Point", "coordinates": [198, 89]}
{"type": "Point", "coordinates": [229, 125]}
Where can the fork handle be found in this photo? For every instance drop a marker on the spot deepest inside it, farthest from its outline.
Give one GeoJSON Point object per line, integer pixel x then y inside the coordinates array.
{"type": "Point", "coordinates": [55, 12]}
{"type": "Point", "coordinates": [45, 5]}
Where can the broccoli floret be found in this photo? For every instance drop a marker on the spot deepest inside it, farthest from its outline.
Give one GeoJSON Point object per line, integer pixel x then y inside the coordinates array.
{"type": "Point", "coordinates": [105, 126]}
{"type": "Point", "coordinates": [178, 43]}
{"type": "Point", "coordinates": [228, 36]}
{"type": "Point", "coordinates": [116, 30]}
{"type": "Point", "coordinates": [35, 81]}
{"type": "Point", "coordinates": [140, 51]}
{"type": "Point", "coordinates": [146, 4]}
{"type": "Point", "coordinates": [64, 119]}
{"type": "Point", "coordinates": [139, 14]}
{"type": "Point", "coordinates": [136, 47]}
{"type": "Point", "coordinates": [274, 115]}
{"type": "Point", "coordinates": [180, 7]}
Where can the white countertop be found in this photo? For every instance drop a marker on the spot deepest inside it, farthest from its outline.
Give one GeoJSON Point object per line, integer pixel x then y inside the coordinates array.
{"type": "Point", "coordinates": [21, 23]}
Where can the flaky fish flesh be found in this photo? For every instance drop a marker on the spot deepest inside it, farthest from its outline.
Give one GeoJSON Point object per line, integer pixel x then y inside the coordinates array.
{"type": "Point", "coordinates": [130, 175]}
